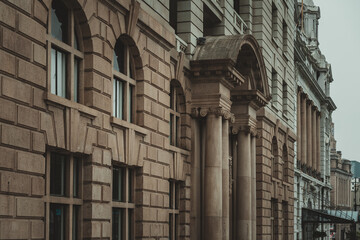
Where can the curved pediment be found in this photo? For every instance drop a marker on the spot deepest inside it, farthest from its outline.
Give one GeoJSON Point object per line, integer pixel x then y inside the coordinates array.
{"type": "Point", "coordinates": [243, 53]}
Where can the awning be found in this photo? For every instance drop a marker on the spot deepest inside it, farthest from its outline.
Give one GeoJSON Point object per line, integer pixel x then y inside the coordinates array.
{"type": "Point", "coordinates": [328, 216]}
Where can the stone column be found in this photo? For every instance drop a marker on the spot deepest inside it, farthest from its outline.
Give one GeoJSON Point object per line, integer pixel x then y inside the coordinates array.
{"type": "Point", "coordinates": [318, 141]}
{"type": "Point", "coordinates": [213, 178]}
{"type": "Point", "coordinates": [253, 185]}
{"type": "Point", "coordinates": [225, 180]}
{"type": "Point", "coordinates": [314, 139]}
{"type": "Point", "coordinates": [298, 124]}
{"type": "Point", "coordinates": [195, 214]}
{"type": "Point", "coordinates": [243, 191]}
{"type": "Point", "coordinates": [303, 131]}
{"type": "Point", "coordinates": [309, 134]}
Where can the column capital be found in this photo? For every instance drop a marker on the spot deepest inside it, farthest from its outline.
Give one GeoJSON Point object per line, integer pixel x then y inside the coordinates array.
{"type": "Point", "coordinates": [245, 128]}
{"type": "Point", "coordinates": [218, 111]}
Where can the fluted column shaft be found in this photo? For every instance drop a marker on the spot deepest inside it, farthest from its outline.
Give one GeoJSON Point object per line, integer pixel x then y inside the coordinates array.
{"type": "Point", "coordinates": [314, 140]}
{"type": "Point", "coordinates": [304, 130]}
{"type": "Point", "coordinates": [298, 124]}
{"type": "Point", "coordinates": [318, 142]}
{"type": "Point", "coordinates": [213, 179]}
{"type": "Point", "coordinates": [225, 180]}
{"type": "Point", "coordinates": [309, 135]}
{"type": "Point", "coordinates": [243, 192]}
{"type": "Point", "coordinates": [253, 185]}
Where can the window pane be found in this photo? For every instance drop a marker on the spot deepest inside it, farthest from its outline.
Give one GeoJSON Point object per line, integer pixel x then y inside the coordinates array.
{"type": "Point", "coordinates": [120, 54]}
{"type": "Point", "coordinates": [130, 186]}
{"type": "Point", "coordinates": [75, 223]}
{"type": "Point", "coordinates": [117, 224]}
{"type": "Point", "coordinates": [176, 131]}
{"type": "Point", "coordinates": [171, 136]}
{"type": "Point", "coordinates": [170, 226]}
{"type": "Point", "coordinates": [176, 226]}
{"type": "Point", "coordinates": [130, 224]}
{"type": "Point", "coordinates": [76, 177]}
{"type": "Point", "coordinates": [57, 222]}
{"type": "Point", "coordinates": [171, 97]}
{"type": "Point", "coordinates": [76, 79]}
{"type": "Point", "coordinates": [59, 20]}
{"type": "Point", "coordinates": [76, 44]}
{"type": "Point", "coordinates": [114, 99]}
{"type": "Point", "coordinates": [130, 102]}
{"type": "Point", "coordinates": [53, 71]}
{"type": "Point", "coordinates": [116, 62]}
{"type": "Point", "coordinates": [121, 100]}
{"type": "Point", "coordinates": [57, 174]}
{"type": "Point", "coordinates": [177, 189]}
{"type": "Point", "coordinates": [171, 193]}
{"type": "Point", "coordinates": [118, 184]}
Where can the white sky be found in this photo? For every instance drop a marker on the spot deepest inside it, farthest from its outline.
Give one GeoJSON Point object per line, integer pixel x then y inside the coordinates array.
{"type": "Point", "coordinates": [339, 37]}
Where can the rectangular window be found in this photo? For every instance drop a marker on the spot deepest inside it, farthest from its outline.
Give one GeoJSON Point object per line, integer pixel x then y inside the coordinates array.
{"type": "Point", "coordinates": [76, 80]}
{"type": "Point", "coordinates": [285, 37]}
{"type": "Point", "coordinates": [285, 97]}
{"type": "Point", "coordinates": [63, 197]}
{"type": "Point", "coordinates": [123, 203]}
{"type": "Point", "coordinates": [57, 221]}
{"type": "Point", "coordinates": [275, 91]}
{"type": "Point", "coordinates": [130, 102]}
{"type": "Point", "coordinates": [174, 198]}
{"type": "Point", "coordinates": [119, 184]}
{"type": "Point", "coordinates": [173, 14]}
{"type": "Point", "coordinates": [171, 136]}
{"type": "Point", "coordinates": [58, 73]}
{"type": "Point", "coordinates": [57, 174]}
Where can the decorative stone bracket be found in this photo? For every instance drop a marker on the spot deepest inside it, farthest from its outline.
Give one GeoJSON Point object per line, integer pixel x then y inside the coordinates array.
{"type": "Point", "coordinates": [219, 111]}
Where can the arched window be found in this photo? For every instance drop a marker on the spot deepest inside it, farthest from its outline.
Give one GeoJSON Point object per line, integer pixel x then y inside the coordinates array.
{"type": "Point", "coordinates": [123, 83]}
{"type": "Point", "coordinates": [176, 108]}
{"type": "Point", "coordinates": [66, 55]}
{"type": "Point", "coordinates": [274, 157]}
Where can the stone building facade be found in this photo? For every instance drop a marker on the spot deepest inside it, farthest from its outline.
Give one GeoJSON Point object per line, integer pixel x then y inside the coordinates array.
{"type": "Point", "coordinates": [314, 109]}
{"type": "Point", "coordinates": [341, 177]}
{"type": "Point", "coordinates": [118, 120]}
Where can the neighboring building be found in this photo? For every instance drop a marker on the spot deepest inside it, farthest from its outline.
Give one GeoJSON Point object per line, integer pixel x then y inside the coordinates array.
{"type": "Point", "coordinates": [314, 108]}
{"type": "Point", "coordinates": [341, 187]}
{"type": "Point", "coordinates": [119, 121]}
{"type": "Point", "coordinates": [355, 190]}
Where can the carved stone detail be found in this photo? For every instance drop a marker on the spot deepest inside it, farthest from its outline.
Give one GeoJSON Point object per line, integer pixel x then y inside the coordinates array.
{"type": "Point", "coordinates": [219, 112]}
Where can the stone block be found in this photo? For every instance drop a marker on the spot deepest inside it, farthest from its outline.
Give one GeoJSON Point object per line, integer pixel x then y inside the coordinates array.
{"type": "Point", "coordinates": [40, 12]}
{"type": "Point", "coordinates": [38, 98]}
{"type": "Point", "coordinates": [7, 15]}
{"type": "Point", "coordinates": [37, 186]}
{"type": "Point", "coordinates": [106, 229]}
{"type": "Point", "coordinates": [103, 12]}
{"type": "Point", "coordinates": [149, 214]}
{"type": "Point", "coordinates": [164, 98]}
{"type": "Point", "coordinates": [157, 139]}
{"type": "Point", "coordinates": [106, 193]}
{"type": "Point", "coordinates": [92, 192]}
{"type": "Point", "coordinates": [14, 229]}
{"type": "Point", "coordinates": [157, 80]}
{"type": "Point", "coordinates": [157, 109]}
{"type": "Point", "coordinates": [163, 186]}
{"type": "Point", "coordinates": [7, 62]}
{"type": "Point", "coordinates": [15, 89]}
{"type": "Point", "coordinates": [154, 63]}
{"type": "Point", "coordinates": [107, 156]}
{"type": "Point", "coordinates": [92, 229]}
{"type": "Point", "coordinates": [31, 28]}
{"type": "Point", "coordinates": [101, 174]}
{"type": "Point", "coordinates": [15, 136]}
{"type": "Point", "coordinates": [37, 229]}
{"type": "Point", "coordinates": [164, 156]}
{"type": "Point", "coordinates": [15, 183]}
{"type": "Point", "coordinates": [7, 205]}
{"type": "Point", "coordinates": [156, 200]}
{"type": "Point", "coordinates": [39, 54]}
{"type": "Point", "coordinates": [157, 170]}
{"type": "Point", "coordinates": [93, 80]}
{"type": "Point", "coordinates": [149, 183]}
{"type": "Point", "coordinates": [7, 110]}
{"type": "Point", "coordinates": [7, 158]}
{"type": "Point", "coordinates": [29, 207]}
{"type": "Point", "coordinates": [30, 162]}
{"type": "Point", "coordinates": [148, 121]}
{"type": "Point", "coordinates": [98, 64]}
{"type": "Point", "coordinates": [32, 73]}
{"type": "Point", "coordinates": [144, 88]}
{"type": "Point", "coordinates": [102, 138]}
{"type": "Point", "coordinates": [97, 211]}
{"type": "Point", "coordinates": [38, 142]}
{"type": "Point", "coordinates": [23, 4]}
{"type": "Point", "coordinates": [16, 43]}
{"type": "Point", "coordinates": [28, 116]}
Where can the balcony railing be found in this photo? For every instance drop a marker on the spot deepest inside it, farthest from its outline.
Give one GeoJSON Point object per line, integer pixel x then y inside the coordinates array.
{"type": "Point", "coordinates": [239, 23]}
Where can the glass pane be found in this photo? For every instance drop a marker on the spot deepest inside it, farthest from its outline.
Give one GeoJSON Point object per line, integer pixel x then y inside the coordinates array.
{"type": "Point", "coordinates": [176, 131]}
{"type": "Point", "coordinates": [130, 224]}
{"type": "Point", "coordinates": [53, 71]}
{"type": "Point", "coordinates": [76, 80]}
{"type": "Point", "coordinates": [75, 223]}
{"type": "Point", "coordinates": [115, 62]}
{"type": "Point", "coordinates": [170, 227]}
{"type": "Point", "coordinates": [171, 129]}
{"type": "Point", "coordinates": [57, 222]}
{"type": "Point", "coordinates": [176, 226]}
{"type": "Point", "coordinates": [171, 193]}
{"type": "Point", "coordinates": [59, 20]}
{"type": "Point", "coordinates": [60, 74]}
{"type": "Point", "coordinates": [171, 97]}
{"type": "Point", "coordinates": [120, 53]}
{"type": "Point", "coordinates": [76, 45]}
{"type": "Point", "coordinates": [76, 177]}
{"type": "Point", "coordinates": [118, 184]}
{"type": "Point", "coordinates": [130, 102]}
{"type": "Point", "coordinates": [130, 186]}
{"type": "Point", "coordinates": [177, 189]}
{"type": "Point", "coordinates": [57, 174]}
{"type": "Point", "coordinates": [121, 100]}
{"type": "Point", "coordinates": [117, 224]}
{"type": "Point", "coordinates": [114, 98]}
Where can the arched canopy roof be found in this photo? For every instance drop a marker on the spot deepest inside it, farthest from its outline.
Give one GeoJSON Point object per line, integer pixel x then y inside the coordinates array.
{"type": "Point", "coordinates": [245, 54]}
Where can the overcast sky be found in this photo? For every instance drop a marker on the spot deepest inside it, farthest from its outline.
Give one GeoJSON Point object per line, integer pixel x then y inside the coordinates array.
{"type": "Point", "coordinates": [339, 37]}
